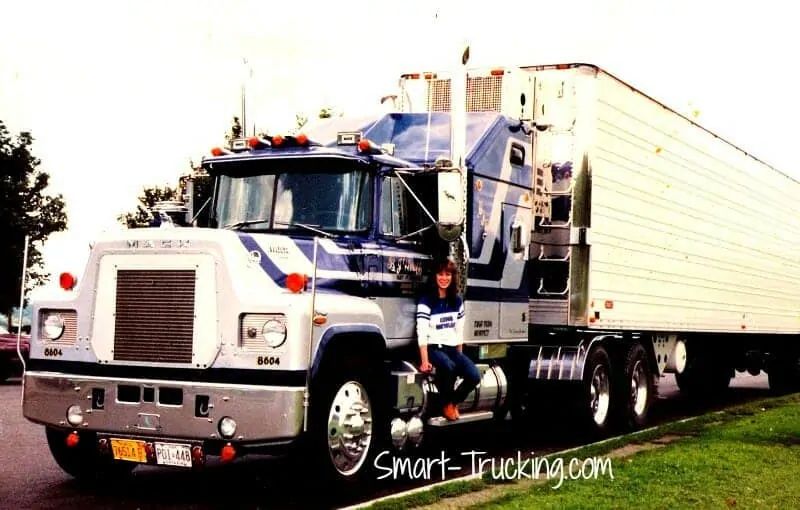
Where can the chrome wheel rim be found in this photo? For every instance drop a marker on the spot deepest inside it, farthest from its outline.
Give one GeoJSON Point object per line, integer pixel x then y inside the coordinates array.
{"type": "Point", "coordinates": [638, 388]}
{"type": "Point", "coordinates": [599, 395]}
{"type": "Point", "coordinates": [349, 428]}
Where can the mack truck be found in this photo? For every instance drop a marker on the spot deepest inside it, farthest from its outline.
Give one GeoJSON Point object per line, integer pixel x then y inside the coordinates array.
{"type": "Point", "coordinates": [604, 240]}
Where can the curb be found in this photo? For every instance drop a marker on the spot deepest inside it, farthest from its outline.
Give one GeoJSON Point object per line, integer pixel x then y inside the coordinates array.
{"type": "Point", "coordinates": [561, 453]}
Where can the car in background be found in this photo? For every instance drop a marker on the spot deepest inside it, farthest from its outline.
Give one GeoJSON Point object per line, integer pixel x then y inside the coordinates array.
{"type": "Point", "coordinates": [10, 364]}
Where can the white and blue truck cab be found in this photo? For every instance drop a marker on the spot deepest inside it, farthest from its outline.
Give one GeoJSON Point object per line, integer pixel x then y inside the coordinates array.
{"type": "Point", "coordinates": [289, 319]}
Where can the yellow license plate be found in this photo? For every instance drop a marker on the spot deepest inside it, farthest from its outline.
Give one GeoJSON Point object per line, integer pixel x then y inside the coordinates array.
{"type": "Point", "coordinates": [126, 449]}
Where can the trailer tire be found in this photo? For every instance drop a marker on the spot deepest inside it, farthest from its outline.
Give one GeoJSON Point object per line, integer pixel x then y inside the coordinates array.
{"type": "Point", "coordinates": [636, 387]}
{"type": "Point", "coordinates": [346, 401]}
{"type": "Point", "coordinates": [83, 461]}
{"type": "Point", "coordinates": [599, 390]}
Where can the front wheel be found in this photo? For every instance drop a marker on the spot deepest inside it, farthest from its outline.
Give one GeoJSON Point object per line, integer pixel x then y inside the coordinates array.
{"type": "Point", "coordinates": [83, 461]}
{"type": "Point", "coordinates": [346, 427]}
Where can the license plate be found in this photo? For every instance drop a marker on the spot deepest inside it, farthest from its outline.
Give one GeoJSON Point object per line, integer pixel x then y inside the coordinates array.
{"type": "Point", "coordinates": [126, 449]}
{"type": "Point", "coordinates": [169, 454]}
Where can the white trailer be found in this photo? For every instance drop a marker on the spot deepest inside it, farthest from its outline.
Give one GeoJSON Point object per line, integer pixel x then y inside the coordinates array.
{"type": "Point", "coordinates": [650, 238]}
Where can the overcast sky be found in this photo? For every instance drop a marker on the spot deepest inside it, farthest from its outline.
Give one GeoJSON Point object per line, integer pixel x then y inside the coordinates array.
{"type": "Point", "coordinates": [122, 94]}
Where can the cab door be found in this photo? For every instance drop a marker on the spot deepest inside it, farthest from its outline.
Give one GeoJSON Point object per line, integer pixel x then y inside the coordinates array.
{"type": "Point", "coordinates": [514, 286]}
{"type": "Point", "coordinates": [403, 260]}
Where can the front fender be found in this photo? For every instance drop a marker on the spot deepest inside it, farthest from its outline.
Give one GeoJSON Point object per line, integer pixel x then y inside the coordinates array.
{"type": "Point", "coordinates": [346, 317]}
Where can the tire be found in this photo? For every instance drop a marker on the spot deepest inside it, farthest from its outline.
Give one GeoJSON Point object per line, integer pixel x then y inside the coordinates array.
{"type": "Point", "coordinates": [83, 461]}
{"type": "Point", "coordinates": [599, 391]}
{"type": "Point", "coordinates": [636, 388]}
{"type": "Point", "coordinates": [347, 402]}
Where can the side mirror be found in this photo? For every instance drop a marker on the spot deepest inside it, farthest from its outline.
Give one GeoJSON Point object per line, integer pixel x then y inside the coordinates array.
{"type": "Point", "coordinates": [451, 205]}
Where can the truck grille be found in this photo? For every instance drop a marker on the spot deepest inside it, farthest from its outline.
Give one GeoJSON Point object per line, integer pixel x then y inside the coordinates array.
{"type": "Point", "coordinates": [154, 318]}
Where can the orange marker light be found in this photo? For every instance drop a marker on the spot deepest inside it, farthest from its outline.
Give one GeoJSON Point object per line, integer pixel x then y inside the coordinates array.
{"type": "Point", "coordinates": [253, 142]}
{"type": "Point", "coordinates": [277, 140]}
{"type": "Point", "coordinates": [228, 453]}
{"type": "Point", "coordinates": [197, 456]}
{"type": "Point", "coordinates": [363, 145]}
{"type": "Point", "coordinates": [72, 440]}
{"type": "Point", "coordinates": [301, 139]}
{"type": "Point", "coordinates": [216, 151]}
{"type": "Point", "coordinates": [296, 282]}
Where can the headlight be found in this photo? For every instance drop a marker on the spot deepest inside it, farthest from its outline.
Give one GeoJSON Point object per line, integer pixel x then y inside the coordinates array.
{"type": "Point", "coordinates": [74, 415]}
{"type": "Point", "coordinates": [53, 326]}
{"type": "Point", "coordinates": [227, 427]}
{"type": "Point", "coordinates": [274, 333]}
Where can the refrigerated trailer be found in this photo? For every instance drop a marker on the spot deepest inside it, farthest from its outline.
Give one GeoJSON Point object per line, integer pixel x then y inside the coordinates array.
{"type": "Point", "coordinates": [605, 241]}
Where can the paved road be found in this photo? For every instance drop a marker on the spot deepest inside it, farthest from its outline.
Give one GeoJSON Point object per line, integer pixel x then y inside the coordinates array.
{"type": "Point", "coordinates": [29, 478]}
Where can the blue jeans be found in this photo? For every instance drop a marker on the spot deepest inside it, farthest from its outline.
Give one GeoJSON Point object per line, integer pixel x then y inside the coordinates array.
{"type": "Point", "coordinates": [451, 363]}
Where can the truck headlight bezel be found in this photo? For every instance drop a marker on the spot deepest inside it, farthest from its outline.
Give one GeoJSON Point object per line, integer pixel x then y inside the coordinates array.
{"type": "Point", "coordinates": [273, 331]}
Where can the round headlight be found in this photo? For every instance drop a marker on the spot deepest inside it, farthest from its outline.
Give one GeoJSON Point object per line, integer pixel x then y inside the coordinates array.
{"type": "Point", "coordinates": [53, 326]}
{"type": "Point", "coordinates": [274, 333]}
{"type": "Point", "coordinates": [227, 427]}
{"type": "Point", "coordinates": [75, 415]}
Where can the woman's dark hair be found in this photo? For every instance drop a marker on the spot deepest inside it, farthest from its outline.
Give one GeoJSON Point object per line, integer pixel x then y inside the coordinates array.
{"type": "Point", "coordinates": [452, 291]}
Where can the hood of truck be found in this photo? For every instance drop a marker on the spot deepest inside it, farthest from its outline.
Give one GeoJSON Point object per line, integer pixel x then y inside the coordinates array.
{"type": "Point", "coordinates": [259, 263]}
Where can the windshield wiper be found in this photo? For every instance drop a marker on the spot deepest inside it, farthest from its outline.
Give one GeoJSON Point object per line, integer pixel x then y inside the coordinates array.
{"type": "Point", "coordinates": [303, 225]}
{"type": "Point", "coordinates": [240, 224]}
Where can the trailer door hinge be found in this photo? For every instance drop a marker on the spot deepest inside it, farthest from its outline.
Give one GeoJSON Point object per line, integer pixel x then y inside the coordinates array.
{"type": "Point", "coordinates": [579, 236]}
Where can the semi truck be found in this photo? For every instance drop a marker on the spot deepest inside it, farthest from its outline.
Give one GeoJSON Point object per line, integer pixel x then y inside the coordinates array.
{"type": "Point", "coordinates": [603, 239]}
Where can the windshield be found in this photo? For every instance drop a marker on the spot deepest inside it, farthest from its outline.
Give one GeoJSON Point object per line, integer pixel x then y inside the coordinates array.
{"type": "Point", "coordinates": [330, 195]}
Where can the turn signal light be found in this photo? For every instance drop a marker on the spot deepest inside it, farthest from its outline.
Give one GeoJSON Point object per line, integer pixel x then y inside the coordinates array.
{"type": "Point", "coordinates": [228, 453]}
{"type": "Point", "coordinates": [72, 440]}
{"type": "Point", "coordinates": [197, 456]}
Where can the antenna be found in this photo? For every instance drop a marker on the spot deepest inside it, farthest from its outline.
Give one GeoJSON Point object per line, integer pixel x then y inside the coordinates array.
{"type": "Point", "coordinates": [430, 100]}
{"type": "Point", "coordinates": [244, 97]}
{"type": "Point", "coordinates": [458, 111]}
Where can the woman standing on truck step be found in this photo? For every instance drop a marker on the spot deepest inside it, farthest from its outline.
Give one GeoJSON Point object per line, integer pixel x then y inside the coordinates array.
{"type": "Point", "coordinates": [440, 335]}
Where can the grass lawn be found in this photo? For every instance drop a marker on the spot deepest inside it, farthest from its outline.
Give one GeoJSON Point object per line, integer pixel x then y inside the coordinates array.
{"type": "Point", "coordinates": [746, 457]}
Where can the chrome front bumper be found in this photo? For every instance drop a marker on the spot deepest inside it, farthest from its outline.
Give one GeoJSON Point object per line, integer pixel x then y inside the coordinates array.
{"type": "Point", "coordinates": [160, 408]}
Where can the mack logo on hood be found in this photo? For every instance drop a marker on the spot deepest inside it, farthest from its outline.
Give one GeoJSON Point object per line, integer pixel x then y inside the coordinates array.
{"type": "Point", "coordinates": [164, 243]}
